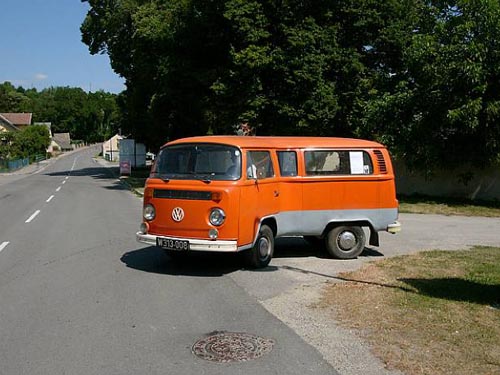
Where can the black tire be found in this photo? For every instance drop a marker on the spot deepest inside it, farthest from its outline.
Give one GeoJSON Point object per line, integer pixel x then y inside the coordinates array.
{"type": "Point", "coordinates": [345, 242]}
{"type": "Point", "coordinates": [262, 252]}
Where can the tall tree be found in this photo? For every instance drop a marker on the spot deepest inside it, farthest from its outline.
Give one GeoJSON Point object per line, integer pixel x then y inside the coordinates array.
{"type": "Point", "coordinates": [12, 99]}
{"type": "Point", "coordinates": [420, 76]}
{"type": "Point", "coordinates": [443, 106]}
{"type": "Point", "coordinates": [168, 52]}
{"type": "Point", "coordinates": [304, 67]}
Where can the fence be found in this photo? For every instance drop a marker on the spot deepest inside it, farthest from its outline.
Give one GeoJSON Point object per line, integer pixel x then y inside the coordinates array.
{"type": "Point", "coordinates": [7, 165]}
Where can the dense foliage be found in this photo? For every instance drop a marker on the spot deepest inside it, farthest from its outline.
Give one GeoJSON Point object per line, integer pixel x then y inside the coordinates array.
{"type": "Point", "coordinates": [421, 76]}
{"type": "Point", "coordinates": [86, 116]}
{"type": "Point", "coordinates": [29, 142]}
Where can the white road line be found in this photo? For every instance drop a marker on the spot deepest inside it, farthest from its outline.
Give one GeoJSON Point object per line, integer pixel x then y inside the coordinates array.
{"type": "Point", "coordinates": [32, 216]}
{"type": "Point", "coordinates": [64, 182]}
{"type": "Point", "coordinates": [50, 198]}
{"type": "Point", "coordinates": [3, 245]}
{"type": "Point", "coordinates": [66, 177]}
{"type": "Point", "coordinates": [74, 163]}
{"type": "Point", "coordinates": [59, 188]}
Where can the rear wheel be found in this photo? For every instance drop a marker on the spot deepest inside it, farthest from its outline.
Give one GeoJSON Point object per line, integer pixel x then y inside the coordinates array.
{"type": "Point", "coordinates": [262, 252]}
{"type": "Point", "coordinates": [345, 242]}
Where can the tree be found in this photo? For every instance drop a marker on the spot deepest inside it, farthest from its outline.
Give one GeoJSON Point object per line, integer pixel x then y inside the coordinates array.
{"type": "Point", "coordinates": [443, 106]}
{"type": "Point", "coordinates": [420, 76]}
{"type": "Point", "coordinates": [5, 145]}
{"type": "Point", "coordinates": [168, 52]}
{"type": "Point", "coordinates": [30, 141]}
{"type": "Point", "coordinates": [12, 99]}
{"type": "Point", "coordinates": [302, 67]}
{"type": "Point", "coordinates": [86, 116]}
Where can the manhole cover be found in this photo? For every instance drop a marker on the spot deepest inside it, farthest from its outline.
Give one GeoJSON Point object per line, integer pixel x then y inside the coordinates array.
{"type": "Point", "coordinates": [232, 347]}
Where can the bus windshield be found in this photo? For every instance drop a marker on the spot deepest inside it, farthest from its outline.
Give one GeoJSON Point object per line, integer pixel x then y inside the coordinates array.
{"type": "Point", "coordinates": [204, 162]}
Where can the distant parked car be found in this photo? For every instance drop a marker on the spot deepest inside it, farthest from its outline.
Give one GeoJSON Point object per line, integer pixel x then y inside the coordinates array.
{"type": "Point", "coordinates": [150, 156]}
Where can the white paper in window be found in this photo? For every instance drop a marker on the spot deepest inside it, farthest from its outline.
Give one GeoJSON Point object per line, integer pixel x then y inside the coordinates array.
{"type": "Point", "coordinates": [356, 158]}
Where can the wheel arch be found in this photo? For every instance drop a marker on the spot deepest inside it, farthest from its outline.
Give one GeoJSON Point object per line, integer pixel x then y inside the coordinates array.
{"type": "Point", "coordinates": [374, 239]}
{"type": "Point", "coordinates": [348, 223]}
{"type": "Point", "coordinates": [271, 222]}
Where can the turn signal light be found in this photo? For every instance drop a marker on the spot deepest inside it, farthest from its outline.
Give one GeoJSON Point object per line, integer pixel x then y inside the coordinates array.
{"type": "Point", "coordinates": [148, 193]}
{"type": "Point", "coordinates": [216, 196]}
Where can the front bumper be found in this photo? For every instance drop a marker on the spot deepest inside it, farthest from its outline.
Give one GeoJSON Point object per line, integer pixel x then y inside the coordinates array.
{"type": "Point", "coordinates": [194, 244]}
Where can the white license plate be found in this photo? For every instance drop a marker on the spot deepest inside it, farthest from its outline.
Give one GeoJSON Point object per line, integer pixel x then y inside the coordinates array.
{"type": "Point", "coordinates": [170, 244]}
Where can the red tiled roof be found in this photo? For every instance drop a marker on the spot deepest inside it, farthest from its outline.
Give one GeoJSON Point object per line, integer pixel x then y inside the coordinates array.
{"type": "Point", "coordinates": [18, 118]}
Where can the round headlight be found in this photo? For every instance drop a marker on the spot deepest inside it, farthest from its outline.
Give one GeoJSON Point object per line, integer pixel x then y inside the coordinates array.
{"type": "Point", "coordinates": [217, 216]}
{"type": "Point", "coordinates": [149, 212]}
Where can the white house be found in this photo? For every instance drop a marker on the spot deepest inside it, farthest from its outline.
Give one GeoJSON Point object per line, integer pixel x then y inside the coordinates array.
{"type": "Point", "coordinates": [111, 148]}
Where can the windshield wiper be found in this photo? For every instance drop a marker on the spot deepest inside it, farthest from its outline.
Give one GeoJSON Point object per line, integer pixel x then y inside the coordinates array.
{"type": "Point", "coordinates": [204, 178]}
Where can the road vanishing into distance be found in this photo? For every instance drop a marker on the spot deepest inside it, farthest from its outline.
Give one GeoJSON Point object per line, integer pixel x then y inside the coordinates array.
{"type": "Point", "coordinates": [78, 294]}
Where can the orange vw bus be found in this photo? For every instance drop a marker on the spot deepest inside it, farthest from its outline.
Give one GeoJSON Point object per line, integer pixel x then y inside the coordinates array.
{"type": "Point", "coordinates": [235, 193]}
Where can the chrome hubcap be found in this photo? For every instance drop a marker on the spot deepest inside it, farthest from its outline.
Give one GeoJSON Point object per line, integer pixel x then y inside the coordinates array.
{"type": "Point", "coordinates": [264, 247]}
{"type": "Point", "coordinates": [346, 240]}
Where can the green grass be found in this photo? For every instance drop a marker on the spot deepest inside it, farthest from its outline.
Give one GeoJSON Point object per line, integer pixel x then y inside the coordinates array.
{"type": "Point", "coordinates": [448, 206]}
{"type": "Point", "coordinates": [435, 312]}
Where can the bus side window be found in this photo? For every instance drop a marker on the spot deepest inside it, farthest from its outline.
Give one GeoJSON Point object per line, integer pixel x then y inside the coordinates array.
{"type": "Point", "coordinates": [251, 170]}
{"type": "Point", "coordinates": [259, 165]}
{"type": "Point", "coordinates": [337, 162]}
{"type": "Point", "coordinates": [288, 163]}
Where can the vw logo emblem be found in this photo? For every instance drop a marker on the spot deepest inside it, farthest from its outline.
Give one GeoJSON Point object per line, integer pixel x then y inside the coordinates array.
{"type": "Point", "coordinates": [177, 214]}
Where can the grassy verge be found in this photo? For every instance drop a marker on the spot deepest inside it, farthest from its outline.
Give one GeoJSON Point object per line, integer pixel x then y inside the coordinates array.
{"type": "Point", "coordinates": [434, 312]}
{"type": "Point", "coordinates": [448, 206]}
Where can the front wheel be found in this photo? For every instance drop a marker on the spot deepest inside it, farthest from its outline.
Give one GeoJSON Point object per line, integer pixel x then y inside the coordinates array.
{"type": "Point", "coordinates": [262, 252]}
{"type": "Point", "coordinates": [345, 242]}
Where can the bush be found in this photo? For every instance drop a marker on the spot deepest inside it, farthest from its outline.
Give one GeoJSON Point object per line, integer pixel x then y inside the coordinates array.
{"type": "Point", "coordinates": [30, 141]}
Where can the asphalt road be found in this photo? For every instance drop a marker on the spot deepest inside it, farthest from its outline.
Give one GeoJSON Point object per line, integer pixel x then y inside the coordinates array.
{"type": "Point", "coordinates": [78, 294]}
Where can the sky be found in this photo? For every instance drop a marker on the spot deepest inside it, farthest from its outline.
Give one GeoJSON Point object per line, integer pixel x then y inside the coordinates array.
{"type": "Point", "coordinates": [40, 47]}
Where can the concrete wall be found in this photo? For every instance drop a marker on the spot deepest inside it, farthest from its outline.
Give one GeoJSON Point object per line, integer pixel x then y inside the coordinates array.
{"type": "Point", "coordinates": [484, 184]}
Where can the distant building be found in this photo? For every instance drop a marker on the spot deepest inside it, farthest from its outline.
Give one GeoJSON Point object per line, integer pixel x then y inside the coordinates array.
{"type": "Point", "coordinates": [61, 141]}
{"type": "Point", "coordinates": [111, 148]}
{"type": "Point", "coordinates": [15, 121]}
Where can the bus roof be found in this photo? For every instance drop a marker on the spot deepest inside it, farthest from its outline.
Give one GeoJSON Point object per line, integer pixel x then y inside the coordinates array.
{"type": "Point", "coordinates": [279, 142]}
